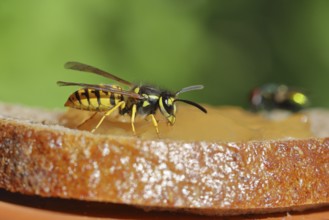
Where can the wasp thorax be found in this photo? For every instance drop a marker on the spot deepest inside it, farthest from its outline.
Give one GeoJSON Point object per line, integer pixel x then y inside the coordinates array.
{"type": "Point", "coordinates": [168, 107]}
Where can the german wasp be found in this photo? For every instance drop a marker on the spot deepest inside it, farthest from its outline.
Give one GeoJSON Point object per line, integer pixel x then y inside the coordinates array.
{"type": "Point", "coordinates": [278, 96]}
{"type": "Point", "coordinates": [144, 100]}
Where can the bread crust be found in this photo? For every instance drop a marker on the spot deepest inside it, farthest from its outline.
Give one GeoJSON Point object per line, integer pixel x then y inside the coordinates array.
{"type": "Point", "coordinates": [210, 178]}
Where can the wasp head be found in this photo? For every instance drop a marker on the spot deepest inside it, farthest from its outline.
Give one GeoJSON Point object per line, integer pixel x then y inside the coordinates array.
{"type": "Point", "coordinates": [167, 103]}
{"type": "Point", "coordinates": [168, 107]}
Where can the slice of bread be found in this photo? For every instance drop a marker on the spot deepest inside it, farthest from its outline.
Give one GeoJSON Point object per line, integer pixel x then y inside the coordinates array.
{"type": "Point", "coordinates": [228, 162]}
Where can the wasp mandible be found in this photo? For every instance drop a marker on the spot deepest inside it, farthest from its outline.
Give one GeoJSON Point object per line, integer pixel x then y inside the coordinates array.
{"type": "Point", "coordinates": [143, 100]}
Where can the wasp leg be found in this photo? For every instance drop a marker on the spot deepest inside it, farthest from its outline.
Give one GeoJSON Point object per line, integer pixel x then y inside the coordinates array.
{"type": "Point", "coordinates": [107, 114]}
{"type": "Point", "coordinates": [155, 123]}
{"type": "Point", "coordinates": [88, 119]}
{"type": "Point", "coordinates": [133, 114]}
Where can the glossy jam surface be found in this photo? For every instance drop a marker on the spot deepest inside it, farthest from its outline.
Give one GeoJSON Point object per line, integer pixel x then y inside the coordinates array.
{"type": "Point", "coordinates": [208, 176]}
{"type": "Point", "coordinates": [219, 124]}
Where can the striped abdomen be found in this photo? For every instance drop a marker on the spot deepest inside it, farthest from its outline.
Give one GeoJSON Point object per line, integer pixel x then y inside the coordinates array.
{"type": "Point", "coordinates": [93, 100]}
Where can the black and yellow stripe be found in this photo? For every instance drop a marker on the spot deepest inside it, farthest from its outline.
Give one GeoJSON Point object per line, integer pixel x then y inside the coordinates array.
{"type": "Point", "coordinates": [93, 99]}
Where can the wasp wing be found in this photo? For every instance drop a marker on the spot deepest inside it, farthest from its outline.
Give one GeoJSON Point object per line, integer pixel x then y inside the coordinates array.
{"type": "Point", "coordinates": [87, 68]}
{"type": "Point", "coordinates": [106, 88]}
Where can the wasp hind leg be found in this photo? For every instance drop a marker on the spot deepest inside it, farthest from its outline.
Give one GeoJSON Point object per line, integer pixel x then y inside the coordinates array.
{"type": "Point", "coordinates": [85, 121]}
{"type": "Point", "coordinates": [107, 114]}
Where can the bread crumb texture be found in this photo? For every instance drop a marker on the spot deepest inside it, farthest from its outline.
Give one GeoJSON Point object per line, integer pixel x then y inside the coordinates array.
{"type": "Point", "coordinates": [210, 177]}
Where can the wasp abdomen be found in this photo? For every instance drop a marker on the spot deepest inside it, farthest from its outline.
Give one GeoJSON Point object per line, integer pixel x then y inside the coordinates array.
{"type": "Point", "coordinates": [93, 99]}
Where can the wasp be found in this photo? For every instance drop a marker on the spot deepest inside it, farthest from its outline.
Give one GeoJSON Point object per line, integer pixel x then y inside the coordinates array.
{"type": "Point", "coordinates": [144, 100]}
{"type": "Point", "coordinates": [278, 96]}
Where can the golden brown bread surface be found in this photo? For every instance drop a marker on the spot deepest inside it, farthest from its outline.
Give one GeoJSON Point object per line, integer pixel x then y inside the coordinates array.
{"type": "Point", "coordinates": [205, 177]}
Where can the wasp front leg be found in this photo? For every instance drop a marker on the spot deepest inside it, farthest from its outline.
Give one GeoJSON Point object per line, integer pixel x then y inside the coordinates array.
{"type": "Point", "coordinates": [155, 123]}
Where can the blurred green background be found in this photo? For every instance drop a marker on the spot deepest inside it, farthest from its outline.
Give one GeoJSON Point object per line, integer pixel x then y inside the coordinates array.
{"type": "Point", "coordinates": [229, 46]}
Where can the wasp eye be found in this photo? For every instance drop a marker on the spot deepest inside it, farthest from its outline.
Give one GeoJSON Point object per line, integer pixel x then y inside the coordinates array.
{"type": "Point", "coordinates": [167, 106]}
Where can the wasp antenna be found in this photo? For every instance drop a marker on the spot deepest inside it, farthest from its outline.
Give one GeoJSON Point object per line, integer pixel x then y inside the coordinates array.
{"type": "Point", "coordinates": [192, 103]}
{"type": "Point", "coordinates": [190, 88]}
